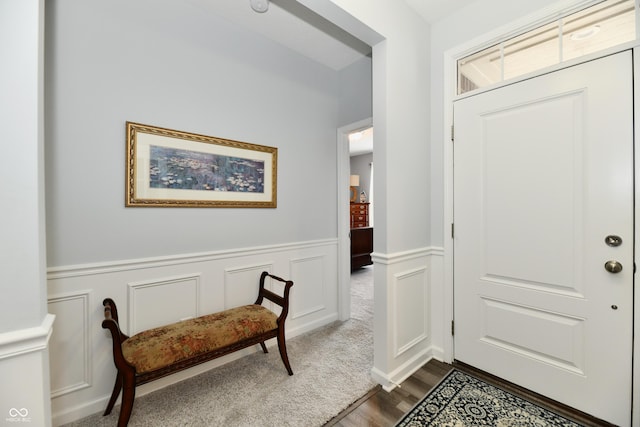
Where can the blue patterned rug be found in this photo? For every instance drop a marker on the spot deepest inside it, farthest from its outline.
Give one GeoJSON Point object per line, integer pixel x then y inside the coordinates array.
{"type": "Point", "coordinates": [462, 400]}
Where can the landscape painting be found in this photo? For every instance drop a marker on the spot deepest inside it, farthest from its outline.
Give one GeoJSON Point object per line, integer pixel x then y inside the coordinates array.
{"type": "Point", "coordinates": [191, 170]}
{"type": "Point", "coordinates": [168, 168]}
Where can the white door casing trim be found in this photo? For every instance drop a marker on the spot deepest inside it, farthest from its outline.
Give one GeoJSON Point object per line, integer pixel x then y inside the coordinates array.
{"type": "Point", "coordinates": [449, 83]}
{"type": "Point", "coordinates": [635, 410]}
{"type": "Point", "coordinates": [344, 241]}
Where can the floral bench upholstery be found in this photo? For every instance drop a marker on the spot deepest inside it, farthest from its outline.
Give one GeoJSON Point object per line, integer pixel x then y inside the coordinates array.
{"type": "Point", "coordinates": [158, 352]}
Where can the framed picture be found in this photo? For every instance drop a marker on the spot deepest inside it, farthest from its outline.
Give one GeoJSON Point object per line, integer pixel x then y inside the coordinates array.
{"type": "Point", "coordinates": [170, 168]}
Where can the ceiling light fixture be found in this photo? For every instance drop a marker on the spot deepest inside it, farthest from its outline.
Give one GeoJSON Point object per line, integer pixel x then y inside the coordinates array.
{"type": "Point", "coordinates": [260, 6]}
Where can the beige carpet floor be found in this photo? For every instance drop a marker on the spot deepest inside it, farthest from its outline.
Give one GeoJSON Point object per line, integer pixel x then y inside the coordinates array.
{"type": "Point", "coordinates": [331, 368]}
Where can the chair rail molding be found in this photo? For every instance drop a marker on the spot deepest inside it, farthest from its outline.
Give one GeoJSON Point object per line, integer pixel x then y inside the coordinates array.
{"type": "Point", "coordinates": [15, 343]}
{"type": "Point", "coordinates": [159, 261]}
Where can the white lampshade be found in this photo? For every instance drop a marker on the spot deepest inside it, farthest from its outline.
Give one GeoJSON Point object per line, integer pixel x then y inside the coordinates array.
{"type": "Point", "coordinates": [354, 180]}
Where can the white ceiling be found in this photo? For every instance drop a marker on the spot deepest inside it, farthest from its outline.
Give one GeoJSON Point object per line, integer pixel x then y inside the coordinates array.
{"type": "Point", "coordinates": [295, 27]}
{"type": "Point", "coordinates": [292, 25]}
{"type": "Point", "coordinates": [361, 142]}
{"type": "Point", "coordinates": [434, 10]}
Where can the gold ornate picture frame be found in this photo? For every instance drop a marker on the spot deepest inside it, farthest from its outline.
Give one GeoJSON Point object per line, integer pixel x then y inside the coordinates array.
{"type": "Point", "coordinates": [170, 168]}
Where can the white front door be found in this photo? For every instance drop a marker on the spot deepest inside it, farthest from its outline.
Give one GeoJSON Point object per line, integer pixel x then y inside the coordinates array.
{"type": "Point", "coordinates": [543, 198]}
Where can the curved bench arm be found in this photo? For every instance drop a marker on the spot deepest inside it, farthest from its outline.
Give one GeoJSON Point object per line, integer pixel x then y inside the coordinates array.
{"type": "Point", "coordinates": [110, 322]}
{"type": "Point", "coordinates": [282, 301]}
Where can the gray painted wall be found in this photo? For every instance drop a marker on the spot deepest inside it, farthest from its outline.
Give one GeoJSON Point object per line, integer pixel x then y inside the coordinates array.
{"type": "Point", "coordinates": [168, 64]}
{"type": "Point", "coordinates": [355, 92]}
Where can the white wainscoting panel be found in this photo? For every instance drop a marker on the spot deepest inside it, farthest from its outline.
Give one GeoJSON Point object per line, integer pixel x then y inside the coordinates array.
{"type": "Point", "coordinates": [241, 286]}
{"type": "Point", "coordinates": [158, 302]}
{"type": "Point", "coordinates": [309, 283]}
{"type": "Point", "coordinates": [410, 319]}
{"type": "Point", "coordinates": [401, 327]}
{"type": "Point", "coordinates": [70, 343]}
{"type": "Point", "coordinates": [155, 291]}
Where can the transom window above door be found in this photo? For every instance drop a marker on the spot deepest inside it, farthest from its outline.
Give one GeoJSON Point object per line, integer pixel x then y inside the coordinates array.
{"type": "Point", "coordinates": [598, 27]}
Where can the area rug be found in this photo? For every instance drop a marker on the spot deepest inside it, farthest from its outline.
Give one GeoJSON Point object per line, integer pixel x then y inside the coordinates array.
{"type": "Point", "coordinates": [462, 400]}
{"type": "Point", "coordinates": [331, 365]}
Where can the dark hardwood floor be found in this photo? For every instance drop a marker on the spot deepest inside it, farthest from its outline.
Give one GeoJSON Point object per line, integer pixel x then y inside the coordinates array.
{"type": "Point", "coordinates": [382, 409]}
{"type": "Point", "coordinates": [379, 408]}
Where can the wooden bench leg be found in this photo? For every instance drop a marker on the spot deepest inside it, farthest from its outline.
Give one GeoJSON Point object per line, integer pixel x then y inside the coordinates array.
{"type": "Point", "coordinates": [282, 346]}
{"type": "Point", "coordinates": [128, 396]}
{"type": "Point", "coordinates": [264, 347]}
{"type": "Point", "coordinates": [114, 395]}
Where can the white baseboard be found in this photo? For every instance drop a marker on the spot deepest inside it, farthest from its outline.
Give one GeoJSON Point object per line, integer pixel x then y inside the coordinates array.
{"type": "Point", "coordinates": [394, 379]}
{"type": "Point", "coordinates": [308, 327]}
{"type": "Point", "coordinates": [74, 413]}
{"type": "Point", "coordinates": [437, 352]}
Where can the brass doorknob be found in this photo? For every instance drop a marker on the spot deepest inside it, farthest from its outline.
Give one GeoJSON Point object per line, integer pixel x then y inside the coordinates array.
{"type": "Point", "coordinates": [613, 266]}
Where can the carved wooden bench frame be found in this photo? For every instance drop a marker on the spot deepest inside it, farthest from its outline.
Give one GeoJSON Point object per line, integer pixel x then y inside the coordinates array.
{"type": "Point", "coordinates": [127, 379]}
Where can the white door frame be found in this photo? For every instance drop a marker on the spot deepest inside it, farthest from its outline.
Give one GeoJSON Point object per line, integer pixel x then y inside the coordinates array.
{"type": "Point", "coordinates": [344, 241]}
{"type": "Point", "coordinates": [450, 59]}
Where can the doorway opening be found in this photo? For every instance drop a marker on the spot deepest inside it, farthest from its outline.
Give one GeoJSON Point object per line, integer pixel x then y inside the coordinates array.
{"type": "Point", "coordinates": [361, 217]}
{"type": "Point", "coordinates": [361, 198]}
{"type": "Point", "coordinates": [362, 146]}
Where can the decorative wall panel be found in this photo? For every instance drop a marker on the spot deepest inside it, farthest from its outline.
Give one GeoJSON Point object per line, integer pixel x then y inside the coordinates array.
{"type": "Point", "coordinates": [241, 286]}
{"type": "Point", "coordinates": [309, 285]}
{"type": "Point", "coordinates": [411, 309]}
{"type": "Point", "coordinates": [70, 343]}
{"type": "Point", "coordinates": [162, 301]}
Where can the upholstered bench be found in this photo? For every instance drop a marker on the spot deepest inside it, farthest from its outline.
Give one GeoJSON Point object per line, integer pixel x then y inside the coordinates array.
{"type": "Point", "coordinates": [158, 352]}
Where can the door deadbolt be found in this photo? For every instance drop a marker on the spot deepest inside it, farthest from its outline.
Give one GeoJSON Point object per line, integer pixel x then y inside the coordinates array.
{"type": "Point", "coordinates": [613, 240]}
{"type": "Point", "coordinates": [613, 266]}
